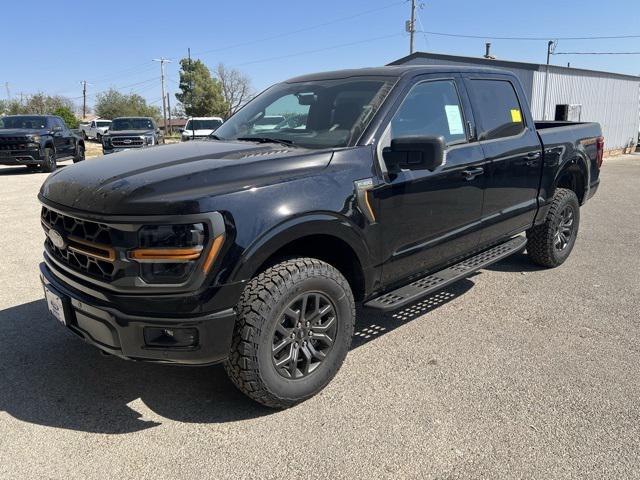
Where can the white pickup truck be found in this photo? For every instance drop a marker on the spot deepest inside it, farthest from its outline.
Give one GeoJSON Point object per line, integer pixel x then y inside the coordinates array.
{"type": "Point", "coordinates": [94, 129]}
{"type": "Point", "coordinates": [200, 127]}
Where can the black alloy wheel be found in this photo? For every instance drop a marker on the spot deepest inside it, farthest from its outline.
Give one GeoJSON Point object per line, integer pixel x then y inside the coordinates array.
{"type": "Point", "coordinates": [304, 335]}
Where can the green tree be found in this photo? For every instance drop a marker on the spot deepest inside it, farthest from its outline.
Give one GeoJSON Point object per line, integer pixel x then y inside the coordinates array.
{"type": "Point", "coordinates": [68, 116]}
{"type": "Point", "coordinates": [112, 104]}
{"type": "Point", "coordinates": [201, 95]}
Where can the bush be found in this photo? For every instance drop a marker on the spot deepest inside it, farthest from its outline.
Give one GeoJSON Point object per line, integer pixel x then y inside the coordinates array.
{"type": "Point", "coordinates": [68, 116]}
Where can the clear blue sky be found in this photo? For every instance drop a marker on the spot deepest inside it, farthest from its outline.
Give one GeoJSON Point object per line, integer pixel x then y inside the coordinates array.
{"type": "Point", "coordinates": [113, 43]}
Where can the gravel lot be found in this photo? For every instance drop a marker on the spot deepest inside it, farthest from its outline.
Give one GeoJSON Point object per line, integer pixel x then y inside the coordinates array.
{"type": "Point", "coordinates": [515, 372]}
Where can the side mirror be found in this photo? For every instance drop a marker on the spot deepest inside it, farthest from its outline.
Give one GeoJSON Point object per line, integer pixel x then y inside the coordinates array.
{"type": "Point", "coordinates": [415, 153]}
{"type": "Point", "coordinates": [181, 130]}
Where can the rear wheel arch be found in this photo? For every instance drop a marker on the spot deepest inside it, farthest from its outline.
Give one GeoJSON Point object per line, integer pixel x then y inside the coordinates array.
{"type": "Point", "coordinates": [574, 176]}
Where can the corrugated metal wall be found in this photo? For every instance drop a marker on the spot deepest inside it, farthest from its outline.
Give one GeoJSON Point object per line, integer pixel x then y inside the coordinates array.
{"type": "Point", "coordinates": [612, 101]}
{"type": "Point", "coordinates": [609, 99]}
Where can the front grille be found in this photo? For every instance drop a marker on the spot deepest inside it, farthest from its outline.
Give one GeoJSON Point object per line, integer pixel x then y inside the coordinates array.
{"type": "Point", "coordinates": [127, 142]}
{"type": "Point", "coordinates": [89, 244]}
{"type": "Point", "coordinates": [13, 143]}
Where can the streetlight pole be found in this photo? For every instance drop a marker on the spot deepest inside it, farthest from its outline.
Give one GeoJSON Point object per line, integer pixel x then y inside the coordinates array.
{"type": "Point", "coordinates": [412, 25]}
{"type": "Point", "coordinates": [550, 46]}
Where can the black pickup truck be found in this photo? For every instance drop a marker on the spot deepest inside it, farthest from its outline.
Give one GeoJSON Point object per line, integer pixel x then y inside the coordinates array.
{"type": "Point", "coordinates": [253, 248]}
{"type": "Point", "coordinates": [126, 133]}
{"type": "Point", "coordinates": [38, 141]}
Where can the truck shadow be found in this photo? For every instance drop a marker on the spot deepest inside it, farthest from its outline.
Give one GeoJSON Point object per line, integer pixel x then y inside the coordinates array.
{"type": "Point", "coordinates": [22, 170]}
{"type": "Point", "coordinates": [51, 378]}
{"type": "Point", "coordinates": [518, 262]}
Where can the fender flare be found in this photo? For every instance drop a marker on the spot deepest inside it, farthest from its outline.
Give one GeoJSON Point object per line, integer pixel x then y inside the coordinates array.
{"type": "Point", "coordinates": [578, 162]}
{"type": "Point", "coordinates": [292, 229]}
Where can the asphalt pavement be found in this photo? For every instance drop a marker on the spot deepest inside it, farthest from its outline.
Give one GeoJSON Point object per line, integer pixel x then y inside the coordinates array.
{"type": "Point", "coordinates": [516, 372]}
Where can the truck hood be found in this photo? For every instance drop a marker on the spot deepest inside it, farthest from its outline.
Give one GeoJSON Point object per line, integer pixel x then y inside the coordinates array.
{"type": "Point", "coordinates": [22, 132]}
{"type": "Point", "coordinates": [126, 133]}
{"type": "Point", "coordinates": [175, 179]}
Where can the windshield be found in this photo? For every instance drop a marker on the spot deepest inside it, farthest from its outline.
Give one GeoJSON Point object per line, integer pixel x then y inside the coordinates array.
{"type": "Point", "coordinates": [315, 114]}
{"type": "Point", "coordinates": [203, 124]}
{"type": "Point", "coordinates": [24, 121]}
{"type": "Point", "coordinates": [131, 124]}
{"type": "Point", "coordinates": [103, 124]}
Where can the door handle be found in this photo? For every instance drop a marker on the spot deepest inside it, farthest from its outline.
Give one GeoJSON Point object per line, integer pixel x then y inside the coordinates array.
{"type": "Point", "coordinates": [472, 173]}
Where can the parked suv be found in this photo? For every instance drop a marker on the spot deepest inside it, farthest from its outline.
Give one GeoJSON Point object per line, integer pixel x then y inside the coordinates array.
{"type": "Point", "coordinates": [126, 133]}
{"type": "Point", "coordinates": [253, 248]}
{"type": "Point", "coordinates": [198, 128]}
{"type": "Point", "coordinates": [38, 141]}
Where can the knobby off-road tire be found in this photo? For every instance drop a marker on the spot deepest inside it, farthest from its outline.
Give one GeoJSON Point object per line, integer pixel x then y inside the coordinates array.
{"type": "Point", "coordinates": [551, 243]}
{"type": "Point", "coordinates": [49, 163]}
{"type": "Point", "coordinates": [273, 314]}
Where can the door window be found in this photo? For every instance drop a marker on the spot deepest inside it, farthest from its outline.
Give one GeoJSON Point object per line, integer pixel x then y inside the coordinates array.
{"type": "Point", "coordinates": [498, 108]}
{"type": "Point", "coordinates": [430, 109]}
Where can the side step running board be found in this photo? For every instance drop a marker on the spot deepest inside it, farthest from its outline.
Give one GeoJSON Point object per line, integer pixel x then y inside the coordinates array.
{"type": "Point", "coordinates": [434, 282]}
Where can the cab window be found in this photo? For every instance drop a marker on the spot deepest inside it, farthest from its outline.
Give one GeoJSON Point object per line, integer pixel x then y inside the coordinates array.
{"type": "Point", "coordinates": [498, 109]}
{"type": "Point", "coordinates": [431, 109]}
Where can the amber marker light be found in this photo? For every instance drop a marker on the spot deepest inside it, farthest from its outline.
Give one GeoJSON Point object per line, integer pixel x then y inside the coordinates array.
{"type": "Point", "coordinates": [165, 254]}
{"type": "Point", "coordinates": [213, 253]}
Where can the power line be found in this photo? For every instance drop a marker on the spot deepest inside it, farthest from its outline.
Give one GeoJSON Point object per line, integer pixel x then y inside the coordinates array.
{"type": "Point", "coordinates": [333, 47]}
{"type": "Point", "coordinates": [597, 53]}
{"type": "Point", "coordinates": [300, 30]}
{"type": "Point", "coordinates": [494, 37]}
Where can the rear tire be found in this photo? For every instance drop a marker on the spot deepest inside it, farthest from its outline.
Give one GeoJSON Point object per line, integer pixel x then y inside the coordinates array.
{"type": "Point", "coordinates": [550, 244]}
{"type": "Point", "coordinates": [49, 163]}
{"type": "Point", "coordinates": [285, 349]}
{"type": "Point", "coordinates": [79, 156]}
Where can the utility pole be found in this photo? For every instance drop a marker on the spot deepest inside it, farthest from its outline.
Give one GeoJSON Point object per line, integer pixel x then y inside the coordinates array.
{"type": "Point", "coordinates": [169, 110]}
{"type": "Point", "coordinates": [550, 47]}
{"type": "Point", "coordinates": [162, 61]}
{"type": "Point", "coordinates": [6, 85]}
{"type": "Point", "coordinates": [410, 26]}
{"type": "Point", "coordinates": [84, 99]}
{"type": "Point", "coordinates": [193, 132]}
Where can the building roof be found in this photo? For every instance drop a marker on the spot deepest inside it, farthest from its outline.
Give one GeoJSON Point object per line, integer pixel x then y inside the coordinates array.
{"type": "Point", "coordinates": [391, 70]}
{"type": "Point", "coordinates": [504, 64]}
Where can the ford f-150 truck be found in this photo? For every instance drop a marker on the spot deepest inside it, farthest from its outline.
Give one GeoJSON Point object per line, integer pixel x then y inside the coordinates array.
{"type": "Point", "coordinates": [126, 133]}
{"type": "Point", "coordinates": [254, 247]}
{"type": "Point", "coordinates": [38, 141]}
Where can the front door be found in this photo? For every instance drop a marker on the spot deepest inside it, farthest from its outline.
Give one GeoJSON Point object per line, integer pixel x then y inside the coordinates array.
{"type": "Point", "coordinates": [428, 218]}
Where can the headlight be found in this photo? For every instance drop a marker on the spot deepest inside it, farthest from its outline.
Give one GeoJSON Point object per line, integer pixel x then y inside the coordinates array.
{"type": "Point", "coordinates": [149, 140]}
{"type": "Point", "coordinates": [106, 141]}
{"type": "Point", "coordinates": [169, 253]}
{"type": "Point", "coordinates": [35, 139]}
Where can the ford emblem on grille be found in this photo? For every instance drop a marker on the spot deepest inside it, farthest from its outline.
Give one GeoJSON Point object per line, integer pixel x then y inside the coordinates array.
{"type": "Point", "coordinates": [126, 141]}
{"type": "Point", "coordinates": [57, 239]}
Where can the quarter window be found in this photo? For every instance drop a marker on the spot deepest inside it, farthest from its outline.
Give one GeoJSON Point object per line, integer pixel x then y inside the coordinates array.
{"type": "Point", "coordinates": [497, 106]}
{"type": "Point", "coordinates": [430, 109]}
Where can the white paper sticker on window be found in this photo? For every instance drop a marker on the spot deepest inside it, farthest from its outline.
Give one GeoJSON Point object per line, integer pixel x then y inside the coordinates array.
{"type": "Point", "coordinates": [454, 119]}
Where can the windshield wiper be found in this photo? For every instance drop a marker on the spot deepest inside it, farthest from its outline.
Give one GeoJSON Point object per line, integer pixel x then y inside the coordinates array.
{"type": "Point", "coordinates": [281, 141]}
{"type": "Point", "coordinates": [214, 137]}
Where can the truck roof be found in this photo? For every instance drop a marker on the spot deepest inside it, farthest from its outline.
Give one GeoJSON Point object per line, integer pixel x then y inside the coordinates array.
{"type": "Point", "coordinates": [392, 71]}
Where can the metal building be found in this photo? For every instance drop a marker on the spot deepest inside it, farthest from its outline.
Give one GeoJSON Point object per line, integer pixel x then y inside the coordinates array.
{"type": "Point", "coordinates": [612, 99]}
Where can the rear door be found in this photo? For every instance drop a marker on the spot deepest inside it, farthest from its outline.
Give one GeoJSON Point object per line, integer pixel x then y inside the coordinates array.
{"type": "Point", "coordinates": [427, 218]}
{"type": "Point", "coordinates": [510, 143]}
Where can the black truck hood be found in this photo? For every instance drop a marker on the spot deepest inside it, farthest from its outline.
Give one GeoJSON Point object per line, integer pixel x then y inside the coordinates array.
{"type": "Point", "coordinates": [22, 132]}
{"type": "Point", "coordinates": [175, 179]}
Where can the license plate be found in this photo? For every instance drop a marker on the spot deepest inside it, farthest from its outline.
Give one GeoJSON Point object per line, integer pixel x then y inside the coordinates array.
{"type": "Point", "coordinates": [56, 307]}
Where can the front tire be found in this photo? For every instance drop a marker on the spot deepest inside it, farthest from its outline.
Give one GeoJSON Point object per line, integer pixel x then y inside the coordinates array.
{"type": "Point", "coordinates": [294, 329]}
{"type": "Point", "coordinates": [550, 244]}
{"type": "Point", "coordinates": [49, 163]}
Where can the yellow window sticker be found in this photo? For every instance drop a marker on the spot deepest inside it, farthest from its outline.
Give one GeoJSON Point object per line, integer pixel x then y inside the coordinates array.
{"type": "Point", "coordinates": [516, 116]}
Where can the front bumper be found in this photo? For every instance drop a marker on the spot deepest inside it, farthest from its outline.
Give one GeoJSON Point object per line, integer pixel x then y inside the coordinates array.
{"type": "Point", "coordinates": [20, 157]}
{"type": "Point", "coordinates": [121, 334]}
